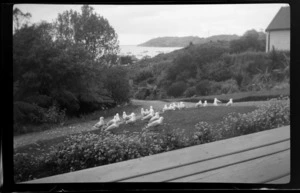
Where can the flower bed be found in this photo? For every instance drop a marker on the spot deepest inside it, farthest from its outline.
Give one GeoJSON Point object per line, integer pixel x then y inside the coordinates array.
{"type": "Point", "coordinates": [89, 150]}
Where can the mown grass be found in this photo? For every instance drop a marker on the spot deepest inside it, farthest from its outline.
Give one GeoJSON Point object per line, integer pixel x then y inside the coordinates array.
{"type": "Point", "coordinates": [184, 119]}
{"type": "Point", "coordinates": [238, 97]}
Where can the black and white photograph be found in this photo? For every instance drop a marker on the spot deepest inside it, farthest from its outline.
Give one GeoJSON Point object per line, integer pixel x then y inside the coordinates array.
{"type": "Point", "coordinates": [196, 93]}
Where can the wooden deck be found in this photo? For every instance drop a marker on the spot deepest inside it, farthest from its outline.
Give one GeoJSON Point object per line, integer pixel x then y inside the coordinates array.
{"type": "Point", "coordinates": [262, 157]}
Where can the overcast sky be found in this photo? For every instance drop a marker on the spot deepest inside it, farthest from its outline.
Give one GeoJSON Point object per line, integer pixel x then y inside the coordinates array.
{"type": "Point", "coordinates": [136, 24]}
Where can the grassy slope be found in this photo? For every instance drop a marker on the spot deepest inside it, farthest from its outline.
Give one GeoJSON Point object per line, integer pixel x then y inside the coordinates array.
{"type": "Point", "coordinates": [86, 123]}
{"type": "Point", "coordinates": [183, 119]}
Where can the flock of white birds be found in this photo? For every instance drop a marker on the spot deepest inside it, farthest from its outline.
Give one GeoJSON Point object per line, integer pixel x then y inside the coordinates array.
{"type": "Point", "coordinates": [154, 119]}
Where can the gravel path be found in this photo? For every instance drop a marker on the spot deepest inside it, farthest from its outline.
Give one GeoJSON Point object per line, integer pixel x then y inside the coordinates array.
{"type": "Point", "coordinates": [29, 138]}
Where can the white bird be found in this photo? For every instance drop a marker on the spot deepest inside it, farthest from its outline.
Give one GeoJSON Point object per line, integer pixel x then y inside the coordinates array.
{"type": "Point", "coordinates": [172, 106]}
{"type": "Point", "coordinates": [230, 102]}
{"type": "Point", "coordinates": [143, 112]}
{"type": "Point", "coordinates": [150, 115]}
{"type": "Point", "coordinates": [181, 105]}
{"type": "Point", "coordinates": [112, 126]}
{"type": "Point", "coordinates": [205, 103]}
{"type": "Point", "coordinates": [156, 116]}
{"type": "Point", "coordinates": [165, 108]}
{"type": "Point", "coordinates": [216, 101]}
{"type": "Point", "coordinates": [155, 123]}
{"type": "Point", "coordinates": [198, 104]}
{"type": "Point", "coordinates": [126, 117]}
{"type": "Point", "coordinates": [118, 117]}
{"type": "Point", "coordinates": [151, 109]}
{"type": "Point", "coordinates": [132, 118]}
{"type": "Point", "coordinates": [111, 121]}
{"type": "Point", "coordinates": [100, 123]}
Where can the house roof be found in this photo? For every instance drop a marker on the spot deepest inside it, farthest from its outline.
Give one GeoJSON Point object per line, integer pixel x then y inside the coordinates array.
{"type": "Point", "coordinates": [281, 20]}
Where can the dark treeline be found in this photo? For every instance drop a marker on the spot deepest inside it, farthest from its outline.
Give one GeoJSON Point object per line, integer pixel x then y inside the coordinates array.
{"type": "Point", "coordinates": [216, 67]}
{"type": "Point", "coordinates": [65, 68]}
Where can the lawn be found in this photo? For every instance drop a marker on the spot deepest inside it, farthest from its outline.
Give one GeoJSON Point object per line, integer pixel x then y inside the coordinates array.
{"type": "Point", "coordinates": [238, 97]}
{"type": "Point", "coordinates": [185, 119]}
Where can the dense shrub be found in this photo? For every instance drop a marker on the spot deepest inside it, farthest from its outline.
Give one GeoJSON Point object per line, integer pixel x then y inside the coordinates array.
{"type": "Point", "coordinates": [53, 114]}
{"type": "Point", "coordinates": [143, 75]}
{"type": "Point", "coordinates": [229, 86]}
{"type": "Point", "coordinates": [25, 112]}
{"type": "Point", "coordinates": [203, 87]}
{"type": "Point", "coordinates": [40, 100]}
{"type": "Point", "coordinates": [90, 150]}
{"type": "Point", "coordinates": [251, 40]}
{"type": "Point", "coordinates": [273, 114]}
{"type": "Point", "coordinates": [176, 89]}
{"type": "Point", "coordinates": [142, 93]}
{"type": "Point", "coordinates": [117, 84]}
{"type": "Point", "coordinates": [191, 91]}
{"type": "Point", "coordinates": [66, 100]}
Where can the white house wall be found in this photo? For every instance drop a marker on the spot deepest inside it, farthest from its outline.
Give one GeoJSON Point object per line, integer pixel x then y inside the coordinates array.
{"type": "Point", "coordinates": [279, 39]}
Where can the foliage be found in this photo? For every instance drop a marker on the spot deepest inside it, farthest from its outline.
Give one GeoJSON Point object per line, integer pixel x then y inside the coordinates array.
{"type": "Point", "coordinates": [66, 62]}
{"type": "Point", "coordinates": [251, 40]}
{"type": "Point", "coordinates": [91, 30]}
{"type": "Point", "coordinates": [143, 75]}
{"type": "Point", "coordinates": [20, 19]}
{"type": "Point", "coordinates": [117, 84]}
{"type": "Point", "coordinates": [274, 114]}
{"type": "Point", "coordinates": [176, 89]}
{"type": "Point", "coordinates": [25, 112]}
{"type": "Point", "coordinates": [126, 59]}
{"type": "Point", "coordinates": [189, 92]}
{"type": "Point", "coordinates": [203, 87]}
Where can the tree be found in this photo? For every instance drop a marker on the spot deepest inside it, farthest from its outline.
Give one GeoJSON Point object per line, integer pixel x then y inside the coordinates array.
{"type": "Point", "coordinates": [91, 30]}
{"type": "Point", "coordinates": [251, 40]}
{"type": "Point", "coordinates": [176, 89]}
{"type": "Point", "coordinates": [20, 19]}
{"type": "Point", "coordinates": [117, 84]}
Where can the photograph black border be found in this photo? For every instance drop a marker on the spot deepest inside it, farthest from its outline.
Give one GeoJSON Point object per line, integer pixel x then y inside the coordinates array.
{"type": "Point", "coordinates": [7, 183]}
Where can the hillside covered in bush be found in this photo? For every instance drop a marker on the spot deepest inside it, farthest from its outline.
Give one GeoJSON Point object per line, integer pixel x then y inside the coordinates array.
{"type": "Point", "coordinates": [65, 68]}
{"type": "Point", "coordinates": [184, 41]}
{"type": "Point", "coordinates": [212, 68]}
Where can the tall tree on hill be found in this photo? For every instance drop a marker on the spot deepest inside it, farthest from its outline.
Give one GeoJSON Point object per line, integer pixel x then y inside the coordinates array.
{"type": "Point", "coordinates": [91, 30]}
{"type": "Point", "coordinates": [20, 19]}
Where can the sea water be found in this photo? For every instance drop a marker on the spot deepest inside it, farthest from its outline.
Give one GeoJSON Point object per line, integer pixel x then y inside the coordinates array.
{"type": "Point", "coordinates": [140, 51]}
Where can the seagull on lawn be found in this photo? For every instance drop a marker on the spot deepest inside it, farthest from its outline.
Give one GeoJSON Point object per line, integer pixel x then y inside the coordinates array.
{"type": "Point", "coordinates": [132, 118]}
{"type": "Point", "coordinates": [181, 105]}
{"type": "Point", "coordinates": [112, 121]}
{"type": "Point", "coordinates": [149, 116]}
{"type": "Point", "coordinates": [156, 116]}
{"type": "Point", "coordinates": [165, 108]}
{"type": "Point", "coordinates": [205, 103]}
{"type": "Point", "coordinates": [230, 102]}
{"type": "Point", "coordinates": [112, 126]}
{"type": "Point", "coordinates": [126, 117]}
{"type": "Point", "coordinates": [118, 117]}
{"type": "Point", "coordinates": [100, 123]}
{"type": "Point", "coordinates": [155, 123]}
{"type": "Point", "coordinates": [198, 104]}
{"type": "Point", "coordinates": [216, 101]}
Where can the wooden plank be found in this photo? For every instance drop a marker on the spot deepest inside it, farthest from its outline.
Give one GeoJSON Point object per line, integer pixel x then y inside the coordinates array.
{"type": "Point", "coordinates": [283, 180]}
{"type": "Point", "coordinates": [202, 166]}
{"type": "Point", "coordinates": [255, 171]}
{"type": "Point", "coordinates": [131, 168]}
